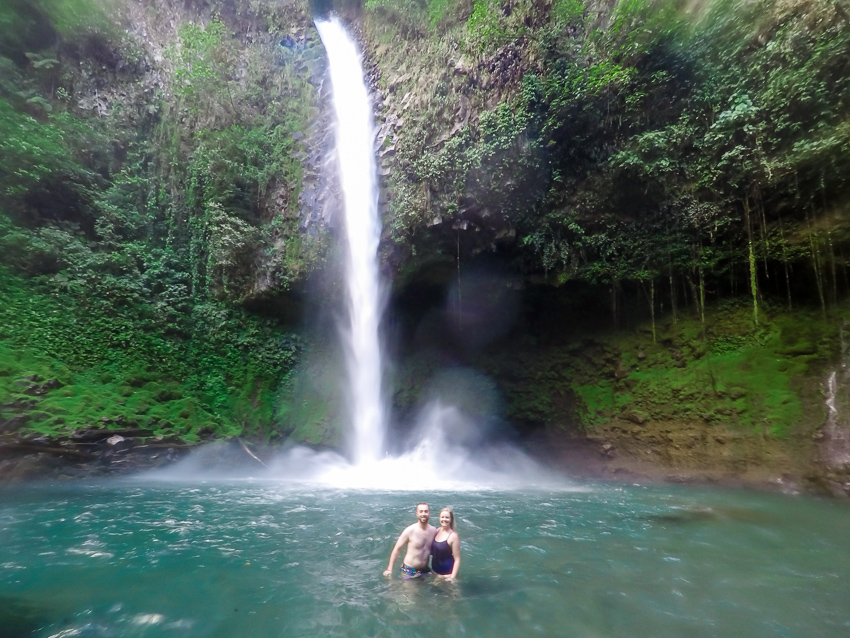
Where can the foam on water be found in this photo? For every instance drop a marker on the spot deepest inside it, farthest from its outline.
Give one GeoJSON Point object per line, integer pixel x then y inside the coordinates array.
{"type": "Point", "coordinates": [435, 462]}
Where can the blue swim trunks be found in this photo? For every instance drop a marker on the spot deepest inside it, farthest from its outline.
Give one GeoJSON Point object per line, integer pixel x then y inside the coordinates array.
{"type": "Point", "coordinates": [409, 572]}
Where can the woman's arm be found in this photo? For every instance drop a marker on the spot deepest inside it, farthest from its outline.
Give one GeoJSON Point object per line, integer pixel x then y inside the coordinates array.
{"type": "Point", "coordinates": [454, 543]}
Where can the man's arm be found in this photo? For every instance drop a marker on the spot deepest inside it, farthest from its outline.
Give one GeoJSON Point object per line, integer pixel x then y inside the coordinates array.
{"type": "Point", "coordinates": [394, 554]}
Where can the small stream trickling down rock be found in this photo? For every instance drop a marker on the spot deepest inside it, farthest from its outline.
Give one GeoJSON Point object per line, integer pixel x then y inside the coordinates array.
{"type": "Point", "coordinates": [834, 436]}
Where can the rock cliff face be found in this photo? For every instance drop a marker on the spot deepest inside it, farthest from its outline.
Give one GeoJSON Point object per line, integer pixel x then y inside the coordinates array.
{"type": "Point", "coordinates": [167, 200]}
{"type": "Point", "coordinates": [624, 222]}
{"type": "Point", "coordinates": [609, 164]}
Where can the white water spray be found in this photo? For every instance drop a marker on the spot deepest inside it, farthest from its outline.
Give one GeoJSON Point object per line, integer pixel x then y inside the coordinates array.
{"type": "Point", "coordinates": [355, 138]}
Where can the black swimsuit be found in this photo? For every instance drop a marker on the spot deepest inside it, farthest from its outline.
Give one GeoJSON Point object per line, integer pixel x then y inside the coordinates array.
{"type": "Point", "coordinates": [442, 560]}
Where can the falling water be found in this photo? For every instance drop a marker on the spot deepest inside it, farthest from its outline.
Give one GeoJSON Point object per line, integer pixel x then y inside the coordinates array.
{"type": "Point", "coordinates": [835, 446]}
{"type": "Point", "coordinates": [355, 139]}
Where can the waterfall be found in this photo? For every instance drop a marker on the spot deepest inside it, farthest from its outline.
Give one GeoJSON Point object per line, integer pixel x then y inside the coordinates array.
{"type": "Point", "coordinates": [448, 448]}
{"type": "Point", "coordinates": [438, 457]}
{"type": "Point", "coordinates": [355, 140]}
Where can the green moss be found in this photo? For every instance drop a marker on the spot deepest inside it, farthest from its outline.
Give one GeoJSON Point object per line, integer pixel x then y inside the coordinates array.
{"type": "Point", "coordinates": [596, 402]}
{"type": "Point", "coordinates": [308, 404]}
{"type": "Point", "coordinates": [754, 380]}
{"type": "Point", "coordinates": [116, 372]}
{"type": "Point", "coordinates": [747, 387]}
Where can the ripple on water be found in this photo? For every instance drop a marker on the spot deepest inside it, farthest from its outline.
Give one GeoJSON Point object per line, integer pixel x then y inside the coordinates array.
{"type": "Point", "coordinates": [225, 560]}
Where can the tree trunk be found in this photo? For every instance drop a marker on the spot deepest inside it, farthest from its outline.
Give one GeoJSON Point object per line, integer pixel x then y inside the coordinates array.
{"type": "Point", "coordinates": [752, 262]}
{"type": "Point", "coordinates": [816, 264]}
{"type": "Point", "coordinates": [652, 307]}
{"type": "Point", "coordinates": [785, 262]}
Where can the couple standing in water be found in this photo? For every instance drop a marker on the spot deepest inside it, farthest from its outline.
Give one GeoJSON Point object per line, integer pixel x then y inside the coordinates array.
{"type": "Point", "coordinates": [441, 544]}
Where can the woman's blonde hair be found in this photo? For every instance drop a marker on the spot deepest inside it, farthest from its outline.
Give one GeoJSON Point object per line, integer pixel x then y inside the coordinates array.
{"type": "Point", "coordinates": [452, 515]}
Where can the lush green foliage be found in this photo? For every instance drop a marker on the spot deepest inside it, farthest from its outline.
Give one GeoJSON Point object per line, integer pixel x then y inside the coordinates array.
{"type": "Point", "coordinates": [129, 242]}
{"type": "Point", "coordinates": [414, 12]}
{"type": "Point", "coordinates": [699, 152]}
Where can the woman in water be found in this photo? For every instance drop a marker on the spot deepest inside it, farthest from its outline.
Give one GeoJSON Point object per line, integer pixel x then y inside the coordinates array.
{"type": "Point", "coordinates": [445, 550]}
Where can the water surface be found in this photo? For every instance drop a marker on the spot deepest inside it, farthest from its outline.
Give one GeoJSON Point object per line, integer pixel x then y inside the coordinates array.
{"type": "Point", "coordinates": [259, 558]}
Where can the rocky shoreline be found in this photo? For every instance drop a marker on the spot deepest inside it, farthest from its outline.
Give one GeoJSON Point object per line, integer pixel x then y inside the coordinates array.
{"type": "Point", "coordinates": [688, 454]}
{"type": "Point", "coordinates": [89, 453]}
{"type": "Point", "coordinates": [658, 455]}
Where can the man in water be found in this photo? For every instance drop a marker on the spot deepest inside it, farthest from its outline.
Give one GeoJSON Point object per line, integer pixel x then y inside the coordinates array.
{"type": "Point", "coordinates": [418, 538]}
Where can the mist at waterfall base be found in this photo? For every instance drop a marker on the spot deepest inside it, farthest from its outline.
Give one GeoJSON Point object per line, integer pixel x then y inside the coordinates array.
{"type": "Point", "coordinates": [447, 451]}
{"type": "Point", "coordinates": [457, 438]}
